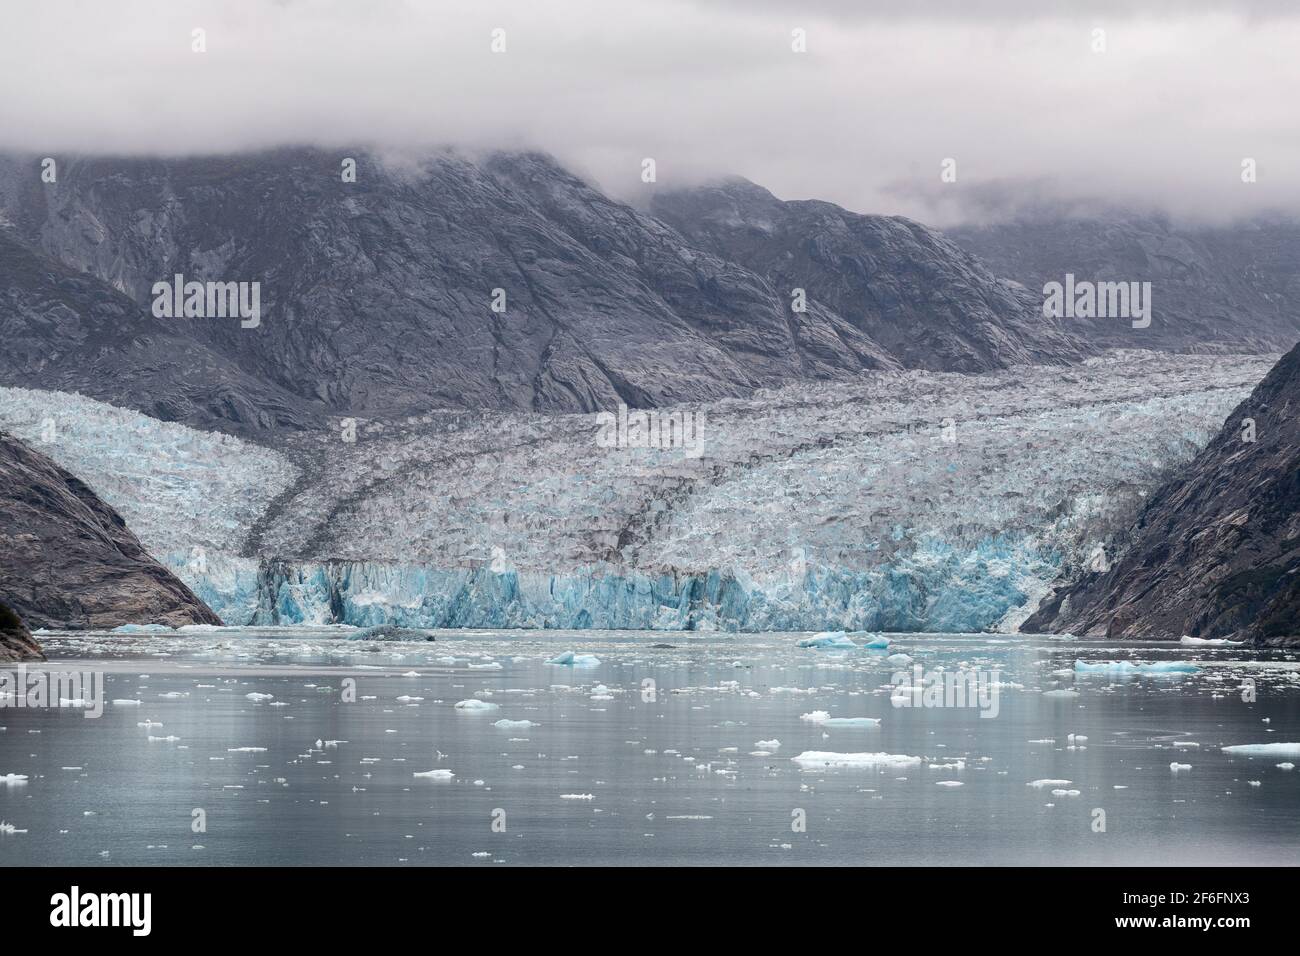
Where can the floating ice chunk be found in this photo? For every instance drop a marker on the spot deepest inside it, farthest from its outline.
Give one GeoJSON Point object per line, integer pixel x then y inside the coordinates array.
{"type": "Point", "coordinates": [474, 704]}
{"type": "Point", "coordinates": [817, 759]}
{"type": "Point", "coordinates": [1209, 642]}
{"type": "Point", "coordinates": [1047, 782]}
{"type": "Point", "coordinates": [577, 796]}
{"type": "Point", "coordinates": [876, 642]}
{"type": "Point", "coordinates": [514, 724]}
{"type": "Point", "coordinates": [141, 629]}
{"type": "Point", "coordinates": [1179, 767]}
{"type": "Point", "coordinates": [434, 774]}
{"type": "Point", "coordinates": [1287, 765]}
{"type": "Point", "coordinates": [822, 719]}
{"type": "Point", "coordinates": [257, 696]}
{"type": "Point", "coordinates": [126, 703]}
{"type": "Point", "coordinates": [245, 750]}
{"type": "Point", "coordinates": [1186, 745]}
{"type": "Point", "coordinates": [1061, 694]}
{"type": "Point", "coordinates": [571, 659]}
{"type": "Point", "coordinates": [1120, 668]}
{"type": "Point", "coordinates": [836, 639]}
{"type": "Point", "coordinates": [772, 744]}
{"type": "Point", "coordinates": [899, 660]}
{"type": "Point", "coordinates": [491, 666]}
{"type": "Point", "coordinates": [1263, 750]}
{"type": "Point", "coordinates": [13, 778]}
{"type": "Point", "coordinates": [1065, 793]}
{"type": "Point", "coordinates": [948, 783]}
{"type": "Point", "coordinates": [408, 699]}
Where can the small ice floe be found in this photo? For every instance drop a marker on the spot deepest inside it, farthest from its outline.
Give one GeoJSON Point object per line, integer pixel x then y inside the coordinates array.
{"type": "Point", "coordinates": [955, 765]}
{"type": "Point", "coordinates": [835, 639]}
{"type": "Point", "coordinates": [1127, 668]}
{"type": "Point", "coordinates": [490, 666]}
{"type": "Point", "coordinates": [577, 796]}
{"type": "Point", "coordinates": [1065, 793]}
{"type": "Point", "coordinates": [571, 659]}
{"type": "Point", "coordinates": [412, 673]}
{"type": "Point", "coordinates": [1177, 767]}
{"type": "Point", "coordinates": [948, 783]}
{"type": "Point", "coordinates": [126, 703]}
{"type": "Point", "coordinates": [163, 740]}
{"type": "Point", "coordinates": [876, 642]}
{"type": "Point", "coordinates": [772, 744]}
{"type": "Point", "coordinates": [817, 759]}
{"type": "Point", "coordinates": [823, 719]}
{"type": "Point", "coordinates": [257, 696]}
{"type": "Point", "coordinates": [1044, 740]}
{"type": "Point", "coordinates": [1209, 642]}
{"type": "Point", "coordinates": [434, 774]}
{"type": "Point", "coordinates": [1263, 750]}
{"type": "Point", "coordinates": [8, 829]}
{"type": "Point", "coordinates": [10, 779]}
{"type": "Point", "coordinates": [245, 750]}
{"type": "Point", "coordinates": [408, 699]}
{"type": "Point", "coordinates": [1047, 782]}
{"type": "Point", "coordinates": [475, 705]}
{"type": "Point", "coordinates": [504, 724]}
{"type": "Point", "coordinates": [1287, 765]}
{"type": "Point", "coordinates": [1061, 694]}
{"type": "Point", "coordinates": [899, 660]}
{"type": "Point", "coordinates": [142, 629]}
{"type": "Point", "coordinates": [1255, 783]}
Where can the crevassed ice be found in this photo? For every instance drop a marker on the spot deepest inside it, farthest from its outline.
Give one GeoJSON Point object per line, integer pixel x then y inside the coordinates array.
{"type": "Point", "coordinates": [906, 502]}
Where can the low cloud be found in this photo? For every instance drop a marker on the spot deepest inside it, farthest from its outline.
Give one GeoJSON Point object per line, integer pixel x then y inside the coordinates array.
{"type": "Point", "coordinates": [1014, 91]}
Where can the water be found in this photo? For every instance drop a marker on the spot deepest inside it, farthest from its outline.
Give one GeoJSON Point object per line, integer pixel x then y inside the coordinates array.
{"type": "Point", "coordinates": [676, 775]}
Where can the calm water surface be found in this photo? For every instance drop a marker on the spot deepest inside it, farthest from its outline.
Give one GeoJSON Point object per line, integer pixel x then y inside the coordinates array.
{"type": "Point", "coordinates": [657, 755]}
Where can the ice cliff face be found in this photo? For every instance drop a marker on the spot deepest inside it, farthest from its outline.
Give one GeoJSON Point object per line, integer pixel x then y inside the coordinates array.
{"type": "Point", "coordinates": [1215, 553]}
{"type": "Point", "coordinates": [905, 501]}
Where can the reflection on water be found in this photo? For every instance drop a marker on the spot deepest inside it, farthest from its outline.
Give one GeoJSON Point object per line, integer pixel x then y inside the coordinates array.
{"type": "Point", "coordinates": [681, 754]}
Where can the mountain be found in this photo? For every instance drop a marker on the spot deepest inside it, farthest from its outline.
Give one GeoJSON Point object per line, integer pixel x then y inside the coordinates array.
{"type": "Point", "coordinates": [69, 559]}
{"type": "Point", "coordinates": [16, 642]}
{"type": "Point", "coordinates": [377, 295]}
{"type": "Point", "coordinates": [1233, 288]}
{"type": "Point", "coordinates": [929, 303]}
{"type": "Point", "coordinates": [1216, 551]}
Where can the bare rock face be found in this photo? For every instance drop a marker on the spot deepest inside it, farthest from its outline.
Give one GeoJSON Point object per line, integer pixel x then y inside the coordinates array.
{"type": "Point", "coordinates": [928, 303]}
{"type": "Point", "coordinates": [1216, 551]}
{"type": "Point", "coordinates": [68, 559]}
{"type": "Point", "coordinates": [16, 642]}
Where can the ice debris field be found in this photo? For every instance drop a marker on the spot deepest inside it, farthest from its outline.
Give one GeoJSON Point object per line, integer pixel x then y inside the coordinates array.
{"type": "Point", "coordinates": [486, 748]}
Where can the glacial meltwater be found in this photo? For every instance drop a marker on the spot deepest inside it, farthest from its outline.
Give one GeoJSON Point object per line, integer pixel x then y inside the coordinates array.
{"type": "Point", "coordinates": [300, 746]}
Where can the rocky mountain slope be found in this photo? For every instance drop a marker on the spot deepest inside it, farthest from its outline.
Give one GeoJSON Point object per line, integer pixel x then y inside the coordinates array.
{"type": "Point", "coordinates": [1214, 288]}
{"type": "Point", "coordinates": [926, 301]}
{"type": "Point", "coordinates": [16, 642]}
{"type": "Point", "coordinates": [1216, 551]}
{"type": "Point", "coordinates": [377, 295]}
{"type": "Point", "coordinates": [69, 560]}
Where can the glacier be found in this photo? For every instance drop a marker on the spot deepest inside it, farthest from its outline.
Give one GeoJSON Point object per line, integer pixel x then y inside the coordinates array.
{"type": "Point", "coordinates": [908, 501]}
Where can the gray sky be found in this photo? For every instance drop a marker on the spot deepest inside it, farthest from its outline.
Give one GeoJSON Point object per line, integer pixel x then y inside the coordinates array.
{"type": "Point", "coordinates": [1010, 89]}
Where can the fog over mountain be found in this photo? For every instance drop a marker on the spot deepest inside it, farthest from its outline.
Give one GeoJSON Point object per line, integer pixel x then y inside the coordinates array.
{"type": "Point", "coordinates": [1159, 109]}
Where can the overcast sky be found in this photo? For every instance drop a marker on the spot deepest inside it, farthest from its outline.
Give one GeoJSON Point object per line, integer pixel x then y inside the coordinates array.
{"type": "Point", "coordinates": [1010, 89]}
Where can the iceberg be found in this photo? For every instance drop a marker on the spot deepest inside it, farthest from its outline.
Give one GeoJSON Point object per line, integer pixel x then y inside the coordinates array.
{"type": "Point", "coordinates": [513, 724]}
{"type": "Point", "coordinates": [1263, 750]}
{"type": "Point", "coordinates": [1128, 668]}
{"type": "Point", "coordinates": [474, 705]}
{"type": "Point", "coordinates": [818, 759]}
{"type": "Point", "coordinates": [1209, 642]}
{"type": "Point", "coordinates": [823, 719]}
{"type": "Point", "coordinates": [570, 659]}
{"type": "Point", "coordinates": [829, 639]}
